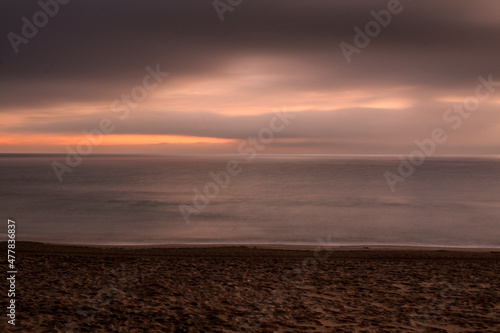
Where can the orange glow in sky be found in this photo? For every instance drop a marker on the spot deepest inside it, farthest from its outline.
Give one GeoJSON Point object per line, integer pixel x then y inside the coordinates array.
{"type": "Point", "coordinates": [60, 140]}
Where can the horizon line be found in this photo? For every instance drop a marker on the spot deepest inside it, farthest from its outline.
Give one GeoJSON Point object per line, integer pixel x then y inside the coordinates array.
{"type": "Point", "coordinates": [257, 154]}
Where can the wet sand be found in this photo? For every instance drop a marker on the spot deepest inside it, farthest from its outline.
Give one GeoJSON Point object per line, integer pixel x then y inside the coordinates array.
{"type": "Point", "coordinates": [229, 289]}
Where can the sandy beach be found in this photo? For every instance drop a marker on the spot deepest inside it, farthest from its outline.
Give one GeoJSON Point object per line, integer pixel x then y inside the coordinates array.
{"type": "Point", "coordinates": [230, 289]}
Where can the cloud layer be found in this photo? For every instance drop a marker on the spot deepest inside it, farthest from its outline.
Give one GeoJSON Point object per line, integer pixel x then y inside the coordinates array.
{"type": "Point", "coordinates": [227, 77]}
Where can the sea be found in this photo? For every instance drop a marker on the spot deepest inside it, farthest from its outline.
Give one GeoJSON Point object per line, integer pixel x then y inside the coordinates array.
{"type": "Point", "coordinates": [266, 199]}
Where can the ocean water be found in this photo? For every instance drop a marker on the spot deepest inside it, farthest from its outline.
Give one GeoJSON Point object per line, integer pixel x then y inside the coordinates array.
{"type": "Point", "coordinates": [274, 199]}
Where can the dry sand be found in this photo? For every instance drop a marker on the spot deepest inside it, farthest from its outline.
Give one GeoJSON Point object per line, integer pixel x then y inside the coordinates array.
{"type": "Point", "coordinates": [230, 289]}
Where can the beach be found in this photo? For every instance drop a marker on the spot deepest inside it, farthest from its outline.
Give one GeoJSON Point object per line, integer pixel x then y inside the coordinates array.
{"type": "Point", "coordinates": [62, 288]}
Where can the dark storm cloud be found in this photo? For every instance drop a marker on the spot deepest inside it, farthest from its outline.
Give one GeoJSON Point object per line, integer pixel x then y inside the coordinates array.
{"type": "Point", "coordinates": [92, 49]}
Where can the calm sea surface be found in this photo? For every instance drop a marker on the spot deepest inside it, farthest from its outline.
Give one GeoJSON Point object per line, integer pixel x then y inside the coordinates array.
{"type": "Point", "coordinates": [274, 199]}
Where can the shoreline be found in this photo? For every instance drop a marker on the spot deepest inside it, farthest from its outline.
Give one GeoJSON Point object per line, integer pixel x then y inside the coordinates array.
{"type": "Point", "coordinates": [269, 246]}
{"type": "Point", "coordinates": [242, 252]}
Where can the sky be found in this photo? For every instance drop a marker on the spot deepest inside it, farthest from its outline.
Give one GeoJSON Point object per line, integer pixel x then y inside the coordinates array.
{"type": "Point", "coordinates": [227, 78]}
